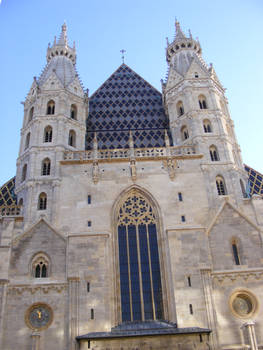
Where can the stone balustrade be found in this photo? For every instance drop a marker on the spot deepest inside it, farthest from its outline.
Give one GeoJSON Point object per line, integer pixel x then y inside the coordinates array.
{"type": "Point", "coordinates": [127, 153]}
{"type": "Point", "coordinates": [12, 210]}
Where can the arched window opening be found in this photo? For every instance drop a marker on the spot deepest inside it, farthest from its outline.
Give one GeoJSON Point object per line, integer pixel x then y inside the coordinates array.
{"type": "Point", "coordinates": [207, 126]}
{"type": "Point", "coordinates": [27, 140]}
{"type": "Point", "coordinates": [202, 102]}
{"type": "Point", "coordinates": [72, 138]}
{"type": "Point", "coordinates": [184, 133]}
{"type": "Point", "coordinates": [20, 203]}
{"type": "Point", "coordinates": [244, 193]}
{"type": "Point", "coordinates": [24, 173]}
{"type": "Point", "coordinates": [220, 185]}
{"type": "Point", "coordinates": [139, 265]}
{"type": "Point", "coordinates": [180, 108]}
{"type": "Point", "coordinates": [73, 112]}
{"type": "Point", "coordinates": [48, 134]}
{"type": "Point", "coordinates": [42, 201]}
{"type": "Point", "coordinates": [235, 252]}
{"type": "Point", "coordinates": [40, 266]}
{"type": "Point", "coordinates": [31, 113]}
{"type": "Point", "coordinates": [213, 153]}
{"type": "Point", "coordinates": [45, 170]}
{"type": "Point", "coordinates": [51, 107]}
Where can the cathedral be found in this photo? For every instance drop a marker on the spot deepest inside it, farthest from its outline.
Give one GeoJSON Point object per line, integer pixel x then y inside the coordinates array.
{"type": "Point", "coordinates": [132, 222]}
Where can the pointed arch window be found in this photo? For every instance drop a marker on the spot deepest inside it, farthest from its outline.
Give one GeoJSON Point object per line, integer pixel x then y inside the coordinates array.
{"type": "Point", "coordinates": [31, 114]}
{"type": "Point", "coordinates": [72, 138]}
{"type": "Point", "coordinates": [180, 108]}
{"type": "Point", "coordinates": [48, 134]}
{"type": "Point", "coordinates": [24, 173]}
{"type": "Point", "coordinates": [213, 153]}
{"type": "Point", "coordinates": [42, 201]}
{"type": "Point", "coordinates": [202, 102]}
{"type": "Point", "coordinates": [40, 266]}
{"type": "Point", "coordinates": [73, 111]}
{"type": "Point", "coordinates": [45, 169]}
{"type": "Point", "coordinates": [184, 133]}
{"type": "Point", "coordinates": [139, 265]}
{"type": "Point", "coordinates": [220, 185]}
{"type": "Point", "coordinates": [207, 126]}
{"type": "Point", "coordinates": [51, 107]}
{"type": "Point", "coordinates": [27, 141]}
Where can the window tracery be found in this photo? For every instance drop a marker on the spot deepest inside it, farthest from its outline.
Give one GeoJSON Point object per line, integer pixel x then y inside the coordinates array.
{"type": "Point", "coordinates": [48, 134]}
{"type": "Point", "coordinates": [45, 169]}
{"type": "Point", "coordinates": [202, 102]}
{"type": "Point", "coordinates": [73, 111]}
{"type": "Point", "coordinates": [42, 201]}
{"type": "Point", "coordinates": [140, 276]}
{"type": "Point", "coordinates": [220, 185]}
{"type": "Point", "coordinates": [40, 266]}
{"type": "Point", "coordinates": [51, 107]}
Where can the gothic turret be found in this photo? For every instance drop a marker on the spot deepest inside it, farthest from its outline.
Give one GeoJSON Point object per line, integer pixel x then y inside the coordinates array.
{"type": "Point", "coordinates": [54, 121]}
{"type": "Point", "coordinates": [197, 108]}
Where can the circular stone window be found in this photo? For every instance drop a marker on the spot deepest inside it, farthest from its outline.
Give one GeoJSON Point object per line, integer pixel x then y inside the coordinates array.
{"type": "Point", "coordinates": [39, 316]}
{"type": "Point", "coordinates": [243, 304]}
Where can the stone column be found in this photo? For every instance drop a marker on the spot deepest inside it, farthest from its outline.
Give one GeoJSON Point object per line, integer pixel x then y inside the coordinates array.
{"type": "Point", "coordinates": [73, 311]}
{"type": "Point", "coordinates": [35, 341]}
{"type": "Point", "coordinates": [207, 285]}
{"type": "Point", "coordinates": [250, 327]}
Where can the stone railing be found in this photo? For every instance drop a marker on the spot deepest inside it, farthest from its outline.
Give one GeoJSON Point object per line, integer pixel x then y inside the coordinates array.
{"type": "Point", "coordinates": [127, 153]}
{"type": "Point", "coordinates": [12, 210]}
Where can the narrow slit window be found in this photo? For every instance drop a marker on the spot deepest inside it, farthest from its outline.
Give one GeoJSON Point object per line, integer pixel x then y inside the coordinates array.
{"type": "Point", "coordinates": [89, 199]}
{"type": "Point", "coordinates": [92, 314]}
{"type": "Point", "coordinates": [88, 287]}
{"type": "Point", "coordinates": [183, 218]}
{"type": "Point", "coordinates": [191, 309]}
{"type": "Point", "coordinates": [189, 281]}
{"type": "Point", "coordinates": [180, 197]}
{"type": "Point", "coordinates": [235, 253]}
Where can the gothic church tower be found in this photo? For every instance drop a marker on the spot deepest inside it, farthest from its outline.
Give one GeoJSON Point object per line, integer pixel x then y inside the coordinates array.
{"type": "Point", "coordinates": [54, 121]}
{"type": "Point", "coordinates": [198, 112]}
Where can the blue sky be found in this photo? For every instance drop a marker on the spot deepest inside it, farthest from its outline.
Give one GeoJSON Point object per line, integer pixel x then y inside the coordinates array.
{"type": "Point", "coordinates": [230, 33]}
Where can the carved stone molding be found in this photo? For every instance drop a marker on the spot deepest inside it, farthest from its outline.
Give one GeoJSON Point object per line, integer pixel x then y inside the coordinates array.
{"type": "Point", "coordinates": [20, 289]}
{"type": "Point", "coordinates": [232, 276]}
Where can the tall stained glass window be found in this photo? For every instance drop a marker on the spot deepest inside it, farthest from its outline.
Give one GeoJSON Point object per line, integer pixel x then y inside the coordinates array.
{"type": "Point", "coordinates": [140, 277]}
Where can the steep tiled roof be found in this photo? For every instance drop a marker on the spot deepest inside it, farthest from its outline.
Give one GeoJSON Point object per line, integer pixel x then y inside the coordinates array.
{"type": "Point", "coordinates": [255, 180]}
{"type": "Point", "coordinates": [126, 102]}
{"type": "Point", "coordinates": [7, 194]}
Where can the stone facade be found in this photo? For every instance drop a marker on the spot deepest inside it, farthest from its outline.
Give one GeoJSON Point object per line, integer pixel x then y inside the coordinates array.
{"type": "Point", "coordinates": [61, 273]}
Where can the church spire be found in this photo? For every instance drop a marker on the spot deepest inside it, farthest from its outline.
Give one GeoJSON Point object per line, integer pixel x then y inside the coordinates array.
{"type": "Point", "coordinates": [63, 40]}
{"type": "Point", "coordinates": [181, 43]}
{"type": "Point", "coordinates": [179, 35]}
{"type": "Point", "coordinates": [61, 47]}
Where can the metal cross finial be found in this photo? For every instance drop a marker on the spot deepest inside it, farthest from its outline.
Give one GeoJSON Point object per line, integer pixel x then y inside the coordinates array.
{"type": "Point", "coordinates": [122, 51]}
